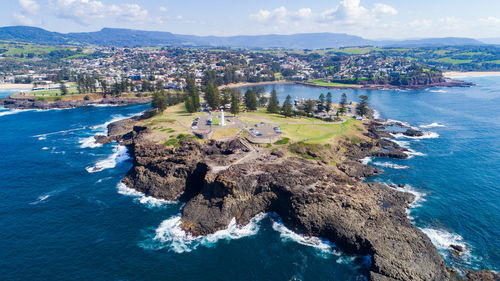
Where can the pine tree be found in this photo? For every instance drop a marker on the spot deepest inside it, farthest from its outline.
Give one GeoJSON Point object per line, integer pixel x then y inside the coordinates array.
{"type": "Point", "coordinates": [287, 109]}
{"type": "Point", "coordinates": [64, 90]}
{"type": "Point", "coordinates": [362, 107]}
{"type": "Point", "coordinates": [273, 106]}
{"type": "Point", "coordinates": [321, 104]}
{"type": "Point", "coordinates": [328, 101]}
{"type": "Point", "coordinates": [250, 99]}
{"type": "Point", "coordinates": [235, 103]}
{"type": "Point", "coordinates": [343, 102]}
{"type": "Point", "coordinates": [159, 101]}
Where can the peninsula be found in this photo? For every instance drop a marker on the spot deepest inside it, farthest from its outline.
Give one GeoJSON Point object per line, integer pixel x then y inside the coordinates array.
{"type": "Point", "coordinates": [311, 177]}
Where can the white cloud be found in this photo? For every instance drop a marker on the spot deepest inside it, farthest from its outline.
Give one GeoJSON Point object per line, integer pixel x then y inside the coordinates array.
{"type": "Point", "coordinates": [21, 19]}
{"type": "Point", "coordinates": [81, 11]}
{"type": "Point", "coordinates": [30, 7]}
{"type": "Point", "coordinates": [351, 12]}
{"type": "Point", "coordinates": [383, 9]}
{"type": "Point", "coordinates": [163, 9]}
{"type": "Point", "coordinates": [281, 15]}
{"type": "Point", "coordinates": [490, 20]}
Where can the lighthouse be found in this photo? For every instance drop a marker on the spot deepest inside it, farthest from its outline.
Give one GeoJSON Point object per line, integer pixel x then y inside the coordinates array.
{"type": "Point", "coordinates": [222, 121]}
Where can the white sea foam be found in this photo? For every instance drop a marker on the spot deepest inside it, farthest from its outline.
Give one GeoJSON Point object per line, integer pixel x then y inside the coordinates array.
{"type": "Point", "coordinates": [89, 142]}
{"type": "Point", "coordinates": [45, 148]}
{"type": "Point", "coordinates": [411, 153]}
{"type": "Point", "coordinates": [391, 165]}
{"type": "Point", "coordinates": [102, 128]}
{"type": "Point", "coordinates": [432, 125]}
{"type": "Point", "coordinates": [366, 160]}
{"type": "Point", "coordinates": [376, 114]}
{"type": "Point", "coordinates": [103, 105]}
{"type": "Point", "coordinates": [419, 195]}
{"type": "Point", "coordinates": [401, 143]}
{"type": "Point", "coordinates": [443, 239]}
{"type": "Point", "coordinates": [438, 91]}
{"type": "Point", "coordinates": [44, 136]}
{"type": "Point", "coordinates": [119, 155]}
{"type": "Point", "coordinates": [10, 112]}
{"type": "Point", "coordinates": [170, 235]}
{"type": "Point", "coordinates": [427, 135]}
{"type": "Point", "coordinates": [40, 199]}
{"type": "Point", "coordinates": [141, 197]}
{"type": "Point", "coordinates": [287, 235]}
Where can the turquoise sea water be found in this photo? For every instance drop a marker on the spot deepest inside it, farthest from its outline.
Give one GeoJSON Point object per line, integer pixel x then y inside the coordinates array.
{"type": "Point", "coordinates": [64, 215]}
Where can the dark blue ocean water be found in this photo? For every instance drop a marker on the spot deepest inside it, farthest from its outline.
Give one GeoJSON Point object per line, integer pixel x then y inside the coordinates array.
{"type": "Point", "coordinates": [63, 214]}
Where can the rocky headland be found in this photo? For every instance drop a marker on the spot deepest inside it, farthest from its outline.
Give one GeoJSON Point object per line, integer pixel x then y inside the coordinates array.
{"type": "Point", "coordinates": [316, 190]}
{"type": "Point", "coordinates": [34, 103]}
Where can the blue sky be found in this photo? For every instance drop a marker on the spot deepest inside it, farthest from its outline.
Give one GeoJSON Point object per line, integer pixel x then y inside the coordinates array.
{"type": "Point", "coordinates": [367, 18]}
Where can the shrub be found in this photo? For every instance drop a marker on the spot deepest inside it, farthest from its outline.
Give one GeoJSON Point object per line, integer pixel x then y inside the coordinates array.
{"type": "Point", "coordinates": [282, 141]}
{"type": "Point", "coordinates": [86, 97]}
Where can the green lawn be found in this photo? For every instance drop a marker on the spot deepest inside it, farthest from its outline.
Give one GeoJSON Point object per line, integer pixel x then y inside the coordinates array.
{"type": "Point", "coordinates": [452, 61]}
{"type": "Point", "coordinates": [324, 83]}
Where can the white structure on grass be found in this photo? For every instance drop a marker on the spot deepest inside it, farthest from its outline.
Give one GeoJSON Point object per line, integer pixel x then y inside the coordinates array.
{"type": "Point", "coordinates": [222, 121]}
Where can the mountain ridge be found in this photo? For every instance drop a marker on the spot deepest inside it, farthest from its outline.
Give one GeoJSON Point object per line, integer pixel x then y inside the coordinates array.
{"type": "Point", "coordinates": [121, 37]}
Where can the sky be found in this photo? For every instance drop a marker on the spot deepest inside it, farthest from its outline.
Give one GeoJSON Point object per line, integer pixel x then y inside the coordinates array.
{"type": "Point", "coordinates": [373, 19]}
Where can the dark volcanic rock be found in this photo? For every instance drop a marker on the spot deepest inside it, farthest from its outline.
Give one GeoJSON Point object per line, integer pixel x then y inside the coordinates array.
{"type": "Point", "coordinates": [32, 103]}
{"type": "Point", "coordinates": [220, 181]}
{"type": "Point", "coordinates": [413, 133]}
{"type": "Point", "coordinates": [483, 275]}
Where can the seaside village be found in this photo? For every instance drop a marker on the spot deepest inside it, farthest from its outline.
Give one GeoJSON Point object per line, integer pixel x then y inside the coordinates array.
{"type": "Point", "coordinates": [143, 68]}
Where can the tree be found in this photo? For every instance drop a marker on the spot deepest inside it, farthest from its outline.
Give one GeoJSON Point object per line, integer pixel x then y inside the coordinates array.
{"type": "Point", "coordinates": [343, 102]}
{"type": "Point", "coordinates": [192, 97]}
{"type": "Point", "coordinates": [273, 106]}
{"type": "Point", "coordinates": [328, 101]}
{"type": "Point", "coordinates": [159, 101]}
{"type": "Point", "coordinates": [189, 103]}
{"type": "Point", "coordinates": [309, 107]}
{"type": "Point", "coordinates": [212, 95]}
{"type": "Point", "coordinates": [64, 90]}
{"type": "Point", "coordinates": [362, 107]}
{"type": "Point", "coordinates": [287, 109]}
{"type": "Point", "coordinates": [321, 104]}
{"type": "Point", "coordinates": [251, 99]}
{"type": "Point", "coordinates": [235, 103]}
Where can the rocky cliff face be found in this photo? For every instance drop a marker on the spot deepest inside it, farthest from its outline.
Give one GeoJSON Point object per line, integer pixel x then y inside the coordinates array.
{"type": "Point", "coordinates": [220, 181]}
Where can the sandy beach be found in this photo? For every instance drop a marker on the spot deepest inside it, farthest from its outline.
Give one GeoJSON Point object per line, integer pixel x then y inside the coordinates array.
{"type": "Point", "coordinates": [456, 74]}
{"type": "Point", "coordinates": [11, 86]}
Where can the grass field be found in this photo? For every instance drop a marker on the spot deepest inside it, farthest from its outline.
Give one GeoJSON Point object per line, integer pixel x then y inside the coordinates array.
{"type": "Point", "coordinates": [260, 115]}
{"type": "Point", "coordinates": [324, 83]}
{"type": "Point", "coordinates": [23, 48]}
{"type": "Point", "coordinates": [223, 133]}
{"type": "Point", "coordinates": [452, 61]}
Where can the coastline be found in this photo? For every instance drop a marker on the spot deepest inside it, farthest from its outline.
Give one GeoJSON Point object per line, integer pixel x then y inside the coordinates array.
{"type": "Point", "coordinates": [213, 178]}
{"type": "Point", "coordinates": [457, 74]}
{"type": "Point", "coordinates": [250, 84]}
{"type": "Point", "coordinates": [11, 86]}
{"type": "Point", "coordinates": [452, 83]}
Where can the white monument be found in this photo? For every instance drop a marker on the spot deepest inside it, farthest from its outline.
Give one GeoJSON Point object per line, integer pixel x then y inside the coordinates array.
{"type": "Point", "coordinates": [222, 121]}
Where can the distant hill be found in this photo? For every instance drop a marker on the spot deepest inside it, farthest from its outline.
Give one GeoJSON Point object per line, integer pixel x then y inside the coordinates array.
{"type": "Point", "coordinates": [128, 37]}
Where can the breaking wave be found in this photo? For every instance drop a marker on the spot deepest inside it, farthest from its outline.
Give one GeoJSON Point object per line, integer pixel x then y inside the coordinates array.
{"type": "Point", "coordinates": [89, 142]}
{"type": "Point", "coordinates": [366, 160]}
{"type": "Point", "coordinates": [443, 239]}
{"type": "Point", "coordinates": [120, 154]}
{"type": "Point", "coordinates": [170, 235]}
{"type": "Point", "coordinates": [432, 125]}
{"type": "Point", "coordinates": [391, 165]}
{"type": "Point", "coordinates": [141, 197]}
{"type": "Point", "coordinates": [427, 135]}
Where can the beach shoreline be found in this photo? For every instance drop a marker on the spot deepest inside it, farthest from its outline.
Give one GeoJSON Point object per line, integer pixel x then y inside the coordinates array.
{"type": "Point", "coordinates": [457, 74]}
{"type": "Point", "coordinates": [12, 86]}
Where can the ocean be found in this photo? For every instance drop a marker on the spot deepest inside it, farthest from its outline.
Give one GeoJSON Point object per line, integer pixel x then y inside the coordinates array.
{"type": "Point", "coordinates": [65, 215]}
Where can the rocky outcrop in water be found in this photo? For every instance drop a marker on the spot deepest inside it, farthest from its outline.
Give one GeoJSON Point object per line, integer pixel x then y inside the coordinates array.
{"type": "Point", "coordinates": [32, 103]}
